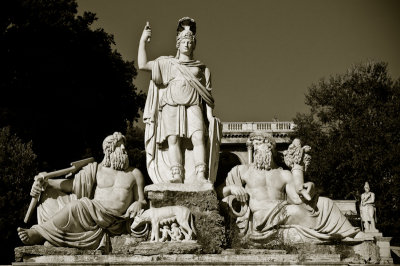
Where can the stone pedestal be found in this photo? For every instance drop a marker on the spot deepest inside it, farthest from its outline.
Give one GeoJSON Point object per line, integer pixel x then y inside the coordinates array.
{"type": "Point", "coordinates": [202, 202]}
{"type": "Point", "coordinates": [384, 249]}
{"type": "Point", "coordinates": [212, 246]}
{"type": "Point", "coordinates": [188, 259]}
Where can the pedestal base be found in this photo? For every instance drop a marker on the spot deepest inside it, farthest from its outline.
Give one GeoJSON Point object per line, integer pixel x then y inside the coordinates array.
{"type": "Point", "coordinates": [202, 201]}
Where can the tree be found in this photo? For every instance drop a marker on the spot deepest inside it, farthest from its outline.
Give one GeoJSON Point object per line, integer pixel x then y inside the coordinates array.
{"type": "Point", "coordinates": [61, 84]}
{"type": "Point", "coordinates": [17, 163]}
{"type": "Point", "coordinates": [353, 128]}
{"type": "Point", "coordinates": [62, 91]}
{"type": "Point", "coordinates": [135, 148]}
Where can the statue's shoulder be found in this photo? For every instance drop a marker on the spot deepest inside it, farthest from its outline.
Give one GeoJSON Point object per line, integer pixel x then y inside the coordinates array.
{"type": "Point", "coordinates": [285, 174]}
{"type": "Point", "coordinates": [135, 173]}
{"type": "Point", "coordinates": [242, 168]}
{"type": "Point", "coordinates": [93, 166]}
{"type": "Point", "coordinates": [132, 170]}
{"type": "Point", "coordinates": [283, 171]}
{"type": "Point", "coordinates": [165, 58]}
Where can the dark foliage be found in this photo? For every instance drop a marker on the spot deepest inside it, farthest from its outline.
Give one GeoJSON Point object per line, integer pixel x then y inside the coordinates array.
{"type": "Point", "coordinates": [135, 148]}
{"type": "Point", "coordinates": [353, 128]}
{"type": "Point", "coordinates": [17, 163]}
{"type": "Point", "coordinates": [62, 91]}
{"type": "Point", "coordinates": [61, 83]}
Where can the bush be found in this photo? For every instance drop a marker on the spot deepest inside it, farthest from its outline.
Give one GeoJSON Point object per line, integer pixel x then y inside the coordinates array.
{"type": "Point", "coordinates": [17, 168]}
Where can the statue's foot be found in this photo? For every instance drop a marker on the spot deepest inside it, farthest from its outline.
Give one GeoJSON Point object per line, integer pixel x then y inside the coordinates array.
{"type": "Point", "coordinates": [202, 180]}
{"type": "Point", "coordinates": [48, 244]}
{"type": "Point", "coordinates": [177, 179]}
{"type": "Point", "coordinates": [29, 236]}
{"type": "Point", "coordinates": [363, 236]}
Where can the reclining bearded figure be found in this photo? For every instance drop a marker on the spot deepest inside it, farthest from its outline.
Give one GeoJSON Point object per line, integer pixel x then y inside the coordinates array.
{"type": "Point", "coordinates": [273, 204]}
{"type": "Point", "coordinates": [180, 148]}
{"type": "Point", "coordinates": [99, 200]}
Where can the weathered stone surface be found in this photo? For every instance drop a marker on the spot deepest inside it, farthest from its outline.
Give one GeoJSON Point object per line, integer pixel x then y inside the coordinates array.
{"type": "Point", "coordinates": [124, 241]}
{"type": "Point", "coordinates": [384, 249]}
{"type": "Point", "coordinates": [202, 202]}
{"type": "Point", "coordinates": [40, 250]}
{"type": "Point", "coordinates": [252, 251]}
{"type": "Point", "coordinates": [155, 248]}
{"type": "Point", "coordinates": [174, 253]}
{"type": "Point", "coordinates": [196, 198]}
{"type": "Point", "coordinates": [191, 259]}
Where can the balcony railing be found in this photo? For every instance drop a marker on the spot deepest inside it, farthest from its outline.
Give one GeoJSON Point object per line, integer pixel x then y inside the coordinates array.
{"type": "Point", "coordinates": [257, 126]}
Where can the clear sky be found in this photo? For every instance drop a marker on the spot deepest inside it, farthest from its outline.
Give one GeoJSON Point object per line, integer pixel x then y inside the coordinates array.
{"type": "Point", "coordinates": [263, 55]}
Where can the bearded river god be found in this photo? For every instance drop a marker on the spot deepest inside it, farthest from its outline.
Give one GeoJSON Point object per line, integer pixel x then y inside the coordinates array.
{"type": "Point", "coordinates": [180, 148]}
{"type": "Point", "coordinates": [80, 212]}
{"type": "Point", "coordinates": [271, 205]}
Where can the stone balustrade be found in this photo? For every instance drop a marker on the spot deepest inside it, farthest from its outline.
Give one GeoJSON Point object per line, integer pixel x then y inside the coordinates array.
{"type": "Point", "coordinates": [257, 126]}
{"type": "Point", "coordinates": [238, 132]}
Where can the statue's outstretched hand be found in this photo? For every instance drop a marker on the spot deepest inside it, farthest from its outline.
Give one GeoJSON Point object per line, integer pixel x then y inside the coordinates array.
{"type": "Point", "coordinates": [38, 186]}
{"type": "Point", "coordinates": [239, 192]}
{"type": "Point", "coordinates": [133, 209]}
{"type": "Point", "coordinates": [310, 189]}
{"type": "Point", "coordinates": [146, 35]}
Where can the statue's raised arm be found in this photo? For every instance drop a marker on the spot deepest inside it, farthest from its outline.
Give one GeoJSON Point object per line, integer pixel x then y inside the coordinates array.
{"type": "Point", "coordinates": [143, 63]}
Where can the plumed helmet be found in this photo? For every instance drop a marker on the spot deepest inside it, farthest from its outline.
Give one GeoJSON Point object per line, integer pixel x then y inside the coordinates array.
{"type": "Point", "coordinates": [186, 30]}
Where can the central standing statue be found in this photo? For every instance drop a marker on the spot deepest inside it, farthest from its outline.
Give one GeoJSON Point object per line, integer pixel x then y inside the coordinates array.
{"type": "Point", "coordinates": [179, 147]}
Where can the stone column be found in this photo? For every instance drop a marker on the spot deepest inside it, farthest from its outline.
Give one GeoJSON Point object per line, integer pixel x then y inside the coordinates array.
{"type": "Point", "coordinates": [249, 151]}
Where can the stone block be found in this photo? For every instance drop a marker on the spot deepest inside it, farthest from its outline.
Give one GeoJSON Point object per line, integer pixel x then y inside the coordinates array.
{"type": "Point", "coordinates": [204, 205]}
{"type": "Point", "coordinates": [188, 259]}
{"type": "Point", "coordinates": [158, 248]}
{"type": "Point", "coordinates": [26, 252]}
{"type": "Point", "coordinates": [384, 249]}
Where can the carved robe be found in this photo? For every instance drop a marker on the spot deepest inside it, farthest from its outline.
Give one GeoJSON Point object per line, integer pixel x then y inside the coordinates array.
{"type": "Point", "coordinates": [175, 105]}
{"type": "Point", "coordinates": [76, 220]}
{"type": "Point", "coordinates": [368, 211]}
{"type": "Point", "coordinates": [261, 221]}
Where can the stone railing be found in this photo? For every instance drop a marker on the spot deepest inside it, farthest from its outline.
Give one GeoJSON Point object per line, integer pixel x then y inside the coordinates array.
{"type": "Point", "coordinates": [228, 127]}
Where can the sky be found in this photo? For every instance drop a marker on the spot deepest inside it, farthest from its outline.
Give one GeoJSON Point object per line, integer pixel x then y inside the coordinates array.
{"type": "Point", "coordinates": [263, 55]}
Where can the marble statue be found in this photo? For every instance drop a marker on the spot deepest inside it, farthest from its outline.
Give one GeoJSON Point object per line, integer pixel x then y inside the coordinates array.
{"type": "Point", "coordinates": [175, 233]}
{"type": "Point", "coordinates": [181, 145]}
{"type": "Point", "coordinates": [367, 209]}
{"type": "Point", "coordinates": [165, 233]}
{"type": "Point", "coordinates": [99, 200]}
{"type": "Point", "coordinates": [164, 215]}
{"type": "Point", "coordinates": [272, 203]}
{"type": "Point", "coordinates": [294, 157]}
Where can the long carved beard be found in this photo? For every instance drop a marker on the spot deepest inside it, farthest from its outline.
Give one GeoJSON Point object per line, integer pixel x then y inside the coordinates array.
{"type": "Point", "coordinates": [262, 159]}
{"type": "Point", "coordinates": [117, 160]}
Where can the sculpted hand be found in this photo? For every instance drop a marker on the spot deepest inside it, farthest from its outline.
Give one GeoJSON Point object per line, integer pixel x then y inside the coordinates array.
{"type": "Point", "coordinates": [146, 34]}
{"type": "Point", "coordinates": [239, 192]}
{"type": "Point", "coordinates": [310, 188]}
{"type": "Point", "coordinates": [38, 186]}
{"type": "Point", "coordinates": [133, 209]}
